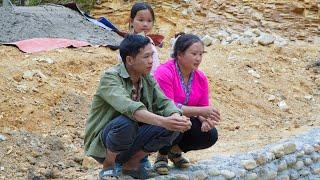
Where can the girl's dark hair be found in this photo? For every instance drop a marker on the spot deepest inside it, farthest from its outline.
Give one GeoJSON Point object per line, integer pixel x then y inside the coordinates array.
{"type": "Point", "coordinates": [183, 42]}
{"type": "Point", "coordinates": [131, 45]}
{"type": "Point", "coordinates": [141, 6]}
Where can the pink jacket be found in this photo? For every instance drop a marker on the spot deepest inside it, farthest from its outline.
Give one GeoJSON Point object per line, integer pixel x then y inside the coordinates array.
{"type": "Point", "coordinates": [169, 81]}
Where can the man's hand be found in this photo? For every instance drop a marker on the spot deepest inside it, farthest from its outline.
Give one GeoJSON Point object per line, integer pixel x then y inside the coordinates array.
{"type": "Point", "coordinates": [175, 122]}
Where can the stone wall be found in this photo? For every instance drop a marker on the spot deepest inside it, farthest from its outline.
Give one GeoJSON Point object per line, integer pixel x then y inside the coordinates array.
{"type": "Point", "coordinates": [297, 158]}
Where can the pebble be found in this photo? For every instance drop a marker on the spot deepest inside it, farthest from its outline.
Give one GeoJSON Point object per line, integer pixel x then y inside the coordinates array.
{"type": "Point", "coordinates": [261, 159]}
{"type": "Point", "coordinates": [181, 177]}
{"type": "Point", "coordinates": [308, 161]}
{"type": "Point", "coordinates": [308, 149]}
{"type": "Point", "coordinates": [278, 150]}
{"type": "Point", "coordinates": [207, 40]}
{"type": "Point", "coordinates": [315, 157]}
{"type": "Point", "coordinates": [300, 154]}
{"type": "Point", "coordinates": [291, 159]}
{"type": "Point", "coordinates": [271, 98]}
{"type": "Point", "coordinates": [299, 165]}
{"type": "Point", "coordinates": [254, 73]}
{"type": "Point", "coordinates": [199, 175]}
{"type": "Point", "coordinates": [294, 174]}
{"type": "Point", "coordinates": [213, 172]}
{"type": "Point", "coordinates": [266, 39]}
{"type": "Point", "coordinates": [282, 165]}
{"type": "Point", "coordinates": [89, 163]}
{"type": "Point", "coordinates": [28, 74]}
{"type": "Point", "coordinates": [249, 164]}
{"type": "Point", "coordinates": [283, 105]}
{"type": "Point", "coordinates": [228, 174]}
{"type": "Point", "coordinates": [44, 59]}
{"type": "Point", "coordinates": [289, 148]}
{"type": "Point", "coordinates": [315, 169]}
{"type": "Point", "coordinates": [252, 176]}
{"type": "Point", "coordinates": [283, 177]}
{"type": "Point", "coordinates": [2, 138]}
{"type": "Point", "coordinates": [304, 172]}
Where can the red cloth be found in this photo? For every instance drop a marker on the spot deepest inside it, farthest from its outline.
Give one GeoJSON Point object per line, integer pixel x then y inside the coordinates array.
{"type": "Point", "coordinates": [46, 44]}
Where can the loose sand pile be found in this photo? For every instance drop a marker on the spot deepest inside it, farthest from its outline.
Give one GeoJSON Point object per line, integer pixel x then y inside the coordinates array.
{"type": "Point", "coordinates": [53, 21]}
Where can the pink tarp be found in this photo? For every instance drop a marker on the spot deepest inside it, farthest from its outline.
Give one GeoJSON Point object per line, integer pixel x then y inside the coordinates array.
{"type": "Point", "coordinates": [46, 44]}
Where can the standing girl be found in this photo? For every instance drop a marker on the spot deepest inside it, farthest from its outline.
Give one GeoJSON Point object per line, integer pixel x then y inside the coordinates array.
{"type": "Point", "coordinates": [141, 22]}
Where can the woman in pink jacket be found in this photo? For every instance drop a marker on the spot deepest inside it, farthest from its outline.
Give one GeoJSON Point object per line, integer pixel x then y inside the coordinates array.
{"type": "Point", "coordinates": [182, 81]}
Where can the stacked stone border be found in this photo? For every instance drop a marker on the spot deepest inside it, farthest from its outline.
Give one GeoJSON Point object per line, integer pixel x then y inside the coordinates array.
{"type": "Point", "coordinates": [296, 158]}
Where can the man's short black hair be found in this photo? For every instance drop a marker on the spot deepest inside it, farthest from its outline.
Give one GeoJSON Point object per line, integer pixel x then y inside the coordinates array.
{"type": "Point", "coordinates": [131, 45]}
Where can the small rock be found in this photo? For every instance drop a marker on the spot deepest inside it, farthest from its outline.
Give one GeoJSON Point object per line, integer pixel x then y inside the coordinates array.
{"type": "Point", "coordinates": [299, 165]}
{"type": "Point", "coordinates": [300, 154]}
{"type": "Point", "coordinates": [266, 39]}
{"type": "Point", "coordinates": [22, 88]}
{"type": "Point", "coordinates": [254, 73]}
{"type": "Point", "coordinates": [78, 159]}
{"type": "Point", "coordinates": [89, 163]}
{"type": "Point", "coordinates": [222, 34]}
{"type": "Point", "coordinates": [282, 165]}
{"type": "Point", "coordinates": [315, 157]}
{"type": "Point", "coordinates": [53, 174]}
{"type": "Point", "coordinates": [249, 33]}
{"type": "Point", "coordinates": [181, 177]}
{"type": "Point", "coordinates": [228, 174]}
{"type": "Point", "coordinates": [304, 172]}
{"type": "Point", "coordinates": [283, 105]}
{"type": "Point", "coordinates": [249, 164]}
{"type": "Point", "coordinates": [261, 159]}
{"type": "Point", "coordinates": [289, 148]}
{"type": "Point", "coordinates": [283, 177]}
{"type": "Point", "coordinates": [44, 59]}
{"type": "Point", "coordinates": [269, 173]}
{"type": "Point", "coordinates": [278, 150]}
{"type": "Point", "coordinates": [280, 42]}
{"type": "Point", "coordinates": [2, 138]}
{"type": "Point", "coordinates": [245, 40]}
{"type": "Point", "coordinates": [207, 40]}
{"type": "Point", "coordinates": [316, 146]}
{"type": "Point", "coordinates": [294, 174]}
{"type": "Point", "coordinates": [213, 172]}
{"type": "Point", "coordinates": [257, 32]}
{"type": "Point", "coordinates": [308, 97]}
{"type": "Point", "coordinates": [271, 97]}
{"type": "Point", "coordinates": [315, 169]}
{"type": "Point", "coordinates": [252, 176]}
{"type": "Point", "coordinates": [308, 161]}
{"type": "Point", "coordinates": [308, 149]}
{"type": "Point", "coordinates": [28, 75]}
{"type": "Point", "coordinates": [270, 156]}
{"type": "Point", "coordinates": [1, 168]}
{"type": "Point", "coordinates": [39, 74]}
{"type": "Point", "coordinates": [290, 159]}
{"type": "Point", "coordinates": [199, 175]}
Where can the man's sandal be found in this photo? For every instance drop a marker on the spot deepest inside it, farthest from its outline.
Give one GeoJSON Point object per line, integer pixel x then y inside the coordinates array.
{"type": "Point", "coordinates": [178, 160]}
{"type": "Point", "coordinates": [161, 165]}
{"type": "Point", "coordinates": [141, 173]}
{"type": "Point", "coordinates": [108, 173]}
